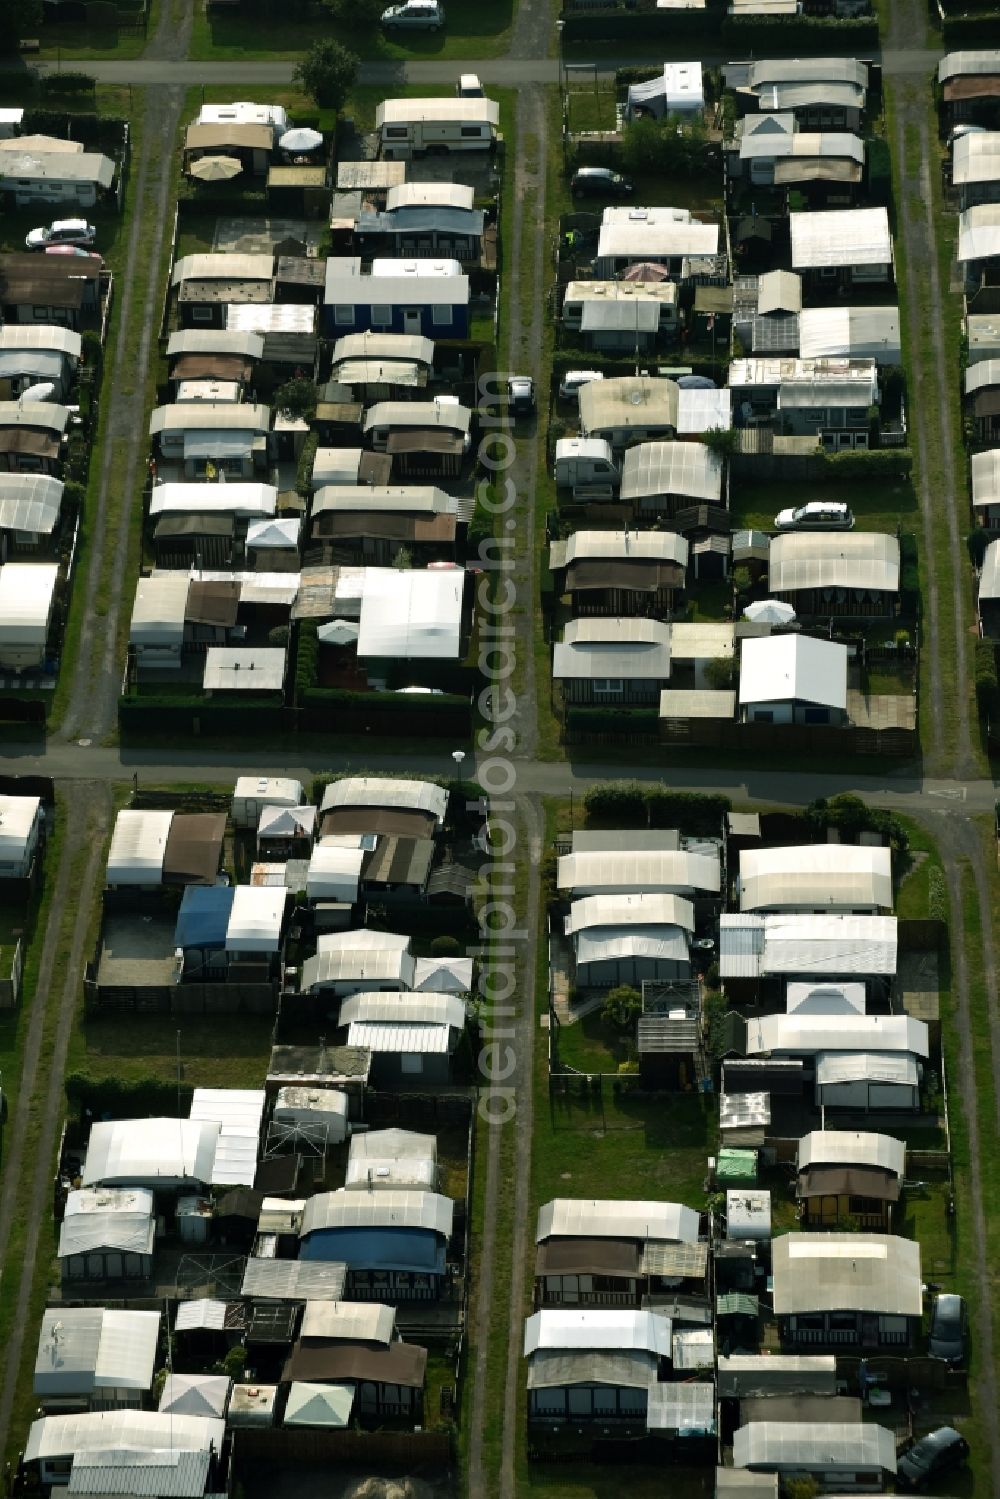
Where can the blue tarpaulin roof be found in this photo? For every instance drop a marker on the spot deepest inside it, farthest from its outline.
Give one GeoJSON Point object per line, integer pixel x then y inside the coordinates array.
{"type": "Point", "coordinates": [203, 918]}
{"type": "Point", "coordinates": [413, 1249]}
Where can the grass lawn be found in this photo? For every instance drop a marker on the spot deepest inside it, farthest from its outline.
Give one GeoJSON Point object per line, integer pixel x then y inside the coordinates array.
{"type": "Point", "coordinates": [473, 30]}
{"type": "Point", "coordinates": [219, 1051]}
{"type": "Point", "coordinates": [915, 875]}
{"type": "Point", "coordinates": [591, 1045]}
{"type": "Point", "coordinates": [878, 505]}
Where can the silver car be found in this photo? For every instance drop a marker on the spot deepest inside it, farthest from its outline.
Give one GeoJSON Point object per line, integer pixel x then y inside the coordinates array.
{"type": "Point", "coordinates": [414, 15]}
{"type": "Point", "coordinates": [817, 515]}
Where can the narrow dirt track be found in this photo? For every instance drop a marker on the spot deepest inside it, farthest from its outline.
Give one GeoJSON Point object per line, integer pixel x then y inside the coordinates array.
{"type": "Point", "coordinates": [92, 825]}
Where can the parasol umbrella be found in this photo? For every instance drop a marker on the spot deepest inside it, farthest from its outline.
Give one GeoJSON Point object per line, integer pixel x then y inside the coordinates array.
{"type": "Point", "coordinates": [338, 632]}
{"type": "Point", "coordinates": [44, 391]}
{"type": "Point", "coordinates": [769, 612]}
{"type": "Point", "coordinates": [215, 168]}
{"type": "Point", "coordinates": [646, 270]}
{"type": "Point", "coordinates": [300, 139]}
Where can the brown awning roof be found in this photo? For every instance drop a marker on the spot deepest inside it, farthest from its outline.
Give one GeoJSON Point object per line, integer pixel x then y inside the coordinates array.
{"type": "Point", "coordinates": [194, 525]}
{"type": "Point", "coordinates": [212, 603]}
{"type": "Point", "coordinates": [46, 280]}
{"type": "Point", "coordinates": [424, 440]}
{"type": "Point", "coordinates": [297, 270]}
{"type": "Point", "coordinates": [247, 137]}
{"type": "Point", "coordinates": [28, 440]}
{"type": "Point", "coordinates": [379, 820]}
{"type": "Point", "coordinates": [320, 1360]}
{"type": "Point", "coordinates": [588, 1257]}
{"type": "Point", "coordinates": [642, 575]}
{"type": "Point", "coordinates": [392, 527]}
{"type": "Point", "coordinates": [211, 367]}
{"type": "Point", "coordinates": [397, 860]}
{"type": "Point", "coordinates": [975, 86]}
{"type": "Point", "coordinates": [987, 402]}
{"type": "Point", "coordinates": [241, 1202]}
{"type": "Point", "coordinates": [816, 169]}
{"type": "Point", "coordinates": [854, 1181]}
{"type": "Point", "coordinates": [194, 848]}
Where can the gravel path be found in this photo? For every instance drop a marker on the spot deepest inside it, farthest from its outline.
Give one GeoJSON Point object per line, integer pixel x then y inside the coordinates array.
{"type": "Point", "coordinates": [28, 1186]}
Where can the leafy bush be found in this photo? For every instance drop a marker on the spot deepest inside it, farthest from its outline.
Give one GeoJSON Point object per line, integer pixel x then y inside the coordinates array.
{"type": "Point", "coordinates": [307, 460]}
{"type": "Point", "coordinates": [327, 73]}
{"type": "Point", "coordinates": [306, 659]}
{"type": "Point", "coordinates": [118, 1098]}
{"type": "Point", "coordinates": [882, 462]}
{"type": "Point", "coordinates": [620, 804]}
{"type": "Point", "coordinates": [937, 894]}
{"type": "Point", "coordinates": [987, 694]}
{"type": "Point", "coordinates": [673, 145]}
{"type": "Point", "coordinates": [446, 947]}
{"type": "Point", "coordinates": [849, 814]}
{"type": "Point", "coordinates": [622, 1007]}
{"type": "Point", "coordinates": [720, 673]}
{"type": "Point", "coordinates": [68, 83]}
{"type": "Point", "coordinates": [296, 398]}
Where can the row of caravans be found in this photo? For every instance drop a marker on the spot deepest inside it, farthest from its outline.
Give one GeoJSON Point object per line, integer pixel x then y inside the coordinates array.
{"type": "Point", "coordinates": [412, 127]}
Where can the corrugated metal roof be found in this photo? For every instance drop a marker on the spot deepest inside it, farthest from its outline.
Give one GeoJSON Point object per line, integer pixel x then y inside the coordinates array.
{"type": "Point", "coordinates": [597, 1330]}
{"type": "Point", "coordinates": [681, 1407]}
{"type": "Point", "coordinates": [30, 502]}
{"type": "Point", "coordinates": [806, 1444]}
{"type": "Point", "coordinates": [202, 1313]}
{"type": "Point", "coordinates": [569, 1217]}
{"type": "Point", "coordinates": [129, 1430]}
{"type": "Point", "coordinates": [403, 1008]}
{"type": "Point", "coordinates": [840, 237]}
{"type": "Point", "coordinates": [825, 875]}
{"type": "Point", "coordinates": [837, 1272]}
{"type": "Point", "coordinates": [390, 1209]}
{"type": "Point", "coordinates": [683, 468]}
{"type": "Point", "coordinates": [744, 1110]}
{"type": "Point", "coordinates": [976, 158]}
{"type": "Point", "coordinates": [614, 873]}
{"type": "Point", "coordinates": [552, 1369]}
{"type": "Point", "coordinates": [108, 1218]}
{"type": "Point", "coordinates": [629, 909]}
{"type": "Point", "coordinates": [839, 944]}
{"type": "Point", "coordinates": [664, 1258]}
{"type": "Point", "coordinates": [811, 1034]}
{"type": "Point", "coordinates": [293, 1280]}
{"type": "Point", "coordinates": [164, 1474]}
{"type": "Point", "coordinates": [818, 143]}
{"type": "Point", "coordinates": [899, 1067]}
{"type": "Point", "coordinates": [833, 559]}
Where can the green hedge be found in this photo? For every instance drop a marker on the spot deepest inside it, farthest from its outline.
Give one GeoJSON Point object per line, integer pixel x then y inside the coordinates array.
{"type": "Point", "coordinates": [964, 30]}
{"type": "Point", "coordinates": [987, 687]}
{"type": "Point", "coordinates": [67, 83]}
{"type": "Point", "coordinates": [884, 462]}
{"type": "Point", "coordinates": [306, 659]}
{"type": "Point", "coordinates": [622, 722]}
{"type": "Point", "coordinates": [155, 714]}
{"type": "Point", "coordinates": [764, 36]}
{"type": "Point", "coordinates": [633, 804]}
{"type": "Point", "coordinates": [116, 1098]}
{"type": "Point", "coordinates": [307, 460]}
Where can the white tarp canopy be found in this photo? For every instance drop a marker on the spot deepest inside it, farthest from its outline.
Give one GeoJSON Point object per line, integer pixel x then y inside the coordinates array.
{"type": "Point", "coordinates": [150, 1152]}
{"type": "Point", "coordinates": [824, 875]}
{"type": "Point", "coordinates": [138, 845]}
{"type": "Point", "coordinates": [250, 501]}
{"type": "Point", "coordinates": [609, 1218]}
{"type": "Point", "coordinates": [852, 1147]}
{"type": "Point", "coordinates": [412, 614]}
{"type": "Point", "coordinates": [256, 919]}
{"type": "Point", "coordinates": [30, 503]}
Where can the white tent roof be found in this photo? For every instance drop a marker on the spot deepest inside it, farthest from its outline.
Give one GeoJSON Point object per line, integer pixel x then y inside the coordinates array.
{"type": "Point", "coordinates": [249, 500]}
{"type": "Point", "coordinates": [214, 341]}
{"type": "Point", "coordinates": [138, 845]}
{"type": "Point", "coordinates": [840, 237]}
{"type": "Point", "coordinates": [445, 975]}
{"type": "Point", "coordinates": [854, 332]}
{"type": "Point", "coordinates": [834, 559]}
{"type": "Point", "coordinates": [326, 1405]}
{"type": "Point", "coordinates": [26, 591]}
{"type": "Point", "coordinates": [793, 668]}
{"type": "Point", "coordinates": [412, 614]}
{"type": "Point", "coordinates": [606, 944]}
{"type": "Point", "coordinates": [196, 1395]}
{"type": "Point", "coordinates": [821, 874]}
{"type": "Point", "coordinates": [157, 1151]}
{"type": "Point", "coordinates": [349, 1321]}
{"type": "Point", "coordinates": [122, 1430]}
{"type": "Point", "coordinates": [255, 919]}
{"type": "Point", "coordinates": [159, 610]}
{"type": "Point", "coordinates": [805, 1034]}
{"type": "Point", "coordinates": [852, 1147]}
{"type": "Point", "coordinates": [664, 871]}
{"type": "Point", "coordinates": [974, 61]}
{"type": "Point", "coordinates": [979, 232]}
{"type": "Point", "coordinates": [982, 375]}
{"type": "Point", "coordinates": [30, 502]}
{"type": "Point", "coordinates": [684, 468]}
{"type": "Point", "coordinates": [404, 1008]}
{"type": "Point", "coordinates": [630, 649]}
{"type": "Point", "coordinates": [976, 158]}
{"type": "Point", "coordinates": [584, 1329]}
{"type": "Point", "coordinates": [398, 1208]}
{"type": "Point", "coordinates": [85, 1349]}
{"type": "Point", "coordinates": [580, 1218]}
{"type": "Point", "coordinates": [753, 945]}
{"type": "Point", "coordinates": [333, 873]}
{"type": "Point", "coordinates": [274, 533]}
{"type": "Point", "coordinates": [809, 997]}
{"type": "Point", "coordinates": [985, 469]}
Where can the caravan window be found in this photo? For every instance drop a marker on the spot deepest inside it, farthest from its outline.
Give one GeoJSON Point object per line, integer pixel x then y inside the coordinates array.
{"type": "Point", "coordinates": [343, 312]}
{"type": "Point", "coordinates": [396, 132]}
{"type": "Point", "coordinates": [472, 131]}
{"type": "Point", "coordinates": [381, 314]}
{"type": "Point", "coordinates": [441, 313]}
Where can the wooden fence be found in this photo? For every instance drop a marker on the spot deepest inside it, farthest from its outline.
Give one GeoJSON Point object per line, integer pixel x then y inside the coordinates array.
{"type": "Point", "coordinates": [412, 1451]}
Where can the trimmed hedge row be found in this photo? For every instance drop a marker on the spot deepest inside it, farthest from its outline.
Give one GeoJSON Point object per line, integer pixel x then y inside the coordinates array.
{"type": "Point", "coordinates": [884, 462]}
{"type": "Point", "coordinates": [118, 1098]}
{"type": "Point", "coordinates": [962, 31]}
{"type": "Point", "coordinates": [631, 804]}
{"type": "Point", "coordinates": [761, 35]}
{"type": "Point", "coordinates": [153, 714]}
{"type": "Point", "coordinates": [987, 685]}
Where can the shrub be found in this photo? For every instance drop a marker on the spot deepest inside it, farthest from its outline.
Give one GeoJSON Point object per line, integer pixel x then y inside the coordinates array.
{"type": "Point", "coordinates": [327, 73]}
{"type": "Point", "coordinates": [68, 83]}
{"type": "Point", "coordinates": [986, 678]}
{"type": "Point", "coordinates": [446, 947]}
{"type": "Point", "coordinates": [296, 398]}
{"type": "Point", "coordinates": [307, 459]}
{"type": "Point", "coordinates": [622, 1007]}
{"type": "Point", "coordinates": [720, 673]}
{"type": "Point", "coordinates": [618, 803]}
{"type": "Point", "coordinates": [937, 894]}
{"type": "Point", "coordinates": [306, 658]}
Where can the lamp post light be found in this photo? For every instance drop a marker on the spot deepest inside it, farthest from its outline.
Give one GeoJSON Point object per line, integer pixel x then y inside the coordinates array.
{"type": "Point", "coordinates": [458, 756]}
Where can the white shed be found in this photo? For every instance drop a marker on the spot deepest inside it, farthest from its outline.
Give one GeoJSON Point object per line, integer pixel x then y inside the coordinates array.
{"type": "Point", "coordinates": [27, 594]}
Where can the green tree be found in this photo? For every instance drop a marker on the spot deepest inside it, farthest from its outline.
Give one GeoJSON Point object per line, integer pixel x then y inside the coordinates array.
{"type": "Point", "coordinates": [328, 73]}
{"type": "Point", "coordinates": [622, 1007]}
{"type": "Point", "coordinates": [296, 398]}
{"type": "Point", "coordinates": [673, 146]}
{"type": "Point", "coordinates": [356, 14]}
{"type": "Point", "coordinates": [445, 946]}
{"type": "Point", "coordinates": [21, 19]}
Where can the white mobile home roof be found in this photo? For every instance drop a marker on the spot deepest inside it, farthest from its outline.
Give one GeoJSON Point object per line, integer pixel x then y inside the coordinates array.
{"type": "Point", "coordinates": [210, 416]}
{"type": "Point", "coordinates": [840, 237]}
{"type": "Point", "coordinates": [986, 477]}
{"type": "Point", "coordinates": [808, 70]}
{"type": "Point", "coordinates": [852, 1147]}
{"type": "Point", "coordinates": [407, 111]}
{"type": "Point", "coordinates": [755, 945]}
{"type": "Point", "coordinates": [602, 944]}
{"type": "Point", "coordinates": [47, 337]}
{"type": "Point", "coordinates": [108, 1218]}
{"type": "Point", "coordinates": [669, 872]}
{"type": "Point", "coordinates": [379, 1209]}
{"type": "Point", "coordinates": [977, 62]}
{"type": "Point", "coordinates": [899, 1067]}
{"type": "Point", "coordinates": [982, 375]}
{"type": "Point", "coordinates": [26, 590]}
{"type": "Point", "coordinates": [47, 414]}
{"type": "Point", "coordinates": [223, 266]}
{"type": "Point", "coordinates": [244, 668]}
{"type": "Point", "coordinates": [772, 1035]}
{"type": "Point", "coordinates": [404, 1007]}
{"type": "Point", "coordinates": [30, 502]}
{"type": "Point", "coordinates": [150, 1150]}
{"type": "Point", "coordinates": [429, 195]}
{"type": "Point", "coordinates": [138, 844]}
{"type": "Point", "coordinates": [412, 614]}
{"type": "Point", "coordinates": [853, 332]}
{"type": "Point", "coordinates": [834, 559]}
{"type": "Point", "coordinates": [683, 468]}
{"type": "Point", "coordinates": [18, 815]}
{"type": "Point", "coordinates": [129, 1430]}
{"type": "Point", "coordinates": [394, 1037]}
{"type": "Point", "coordinates": [654, 233]}
{"type": "Point", "coordinates": [976, 158]}
{"type": "Point", "coordinates": [349, 1321]}
{"type": "Point", "coordinates": [817, 1272]}
{"type": "Point", "coordinates": [620, 546]}
{"type": "Point", "coordinates": [215, 341]}
{"type": "Point", "coordinates": [797, 668]}
{"type": "Point", "coordinates": [582, 1329]}
{"type": "Point", "coordinates": [989, 577]}
{"type": "Point", "coordinates": [386, 791]}
{"type": "Point", "coordinates": [820, 874]}
{"type": "Point", "coordinates": [56, 166]}
{"type": "Point", "coordinates": [333, 873]}
{"type": "Point", "coordinates": [414, 282]}
{"type": "Point", "coordinates": [85, 1349]}
{"type": "Point", "coordinates": [645, 909]}
{"type": "Point", "coordinates": [979, 232]}
{"type": "Point", "coordinates": [632, 648]}
{"type": "Point", "coordinates": [449, 417]}
{"type": "Point", "coordinates": [410, 348]}
{"type": "Point", "coordinates": [252, 501]}
{"type": "Point", "coordinates": [580, 1218]}
{"type": "Point", "coordinates": [420, 499]}
{"type": "Point", "coordinates": [255, 919]}
{"type": "Point", "coordinates": [826, 143]}
{"type": "Point", "coordinates": [628, 401]}
{"type": "Point", "coordinates": [791, 96]}
{"type": "Point", "coordinates": [797, 1445]}
{"type": "Point", "coordinates": [195, 1394]}
{"type": "Point", "coordinates": [159, 610]}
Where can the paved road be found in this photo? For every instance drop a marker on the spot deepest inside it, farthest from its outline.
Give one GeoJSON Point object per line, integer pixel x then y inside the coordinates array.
{"type": "Point", "coordinates": [901, 791]}
{"type": "Point", "coordinates": [510, 72]}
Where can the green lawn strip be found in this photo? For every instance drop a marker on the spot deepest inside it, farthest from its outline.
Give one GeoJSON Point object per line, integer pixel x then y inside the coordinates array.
{"type": "Point", "coordinates": [474, 29]}
{"type": "Point", "coordinates": [214, 1053]}
{"type": "Point", "coordinates": [69, 44]}
{"type": "Point", "coordinates": [915, 874]}
{"type": "Point", "coordinates": [878, 504]}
